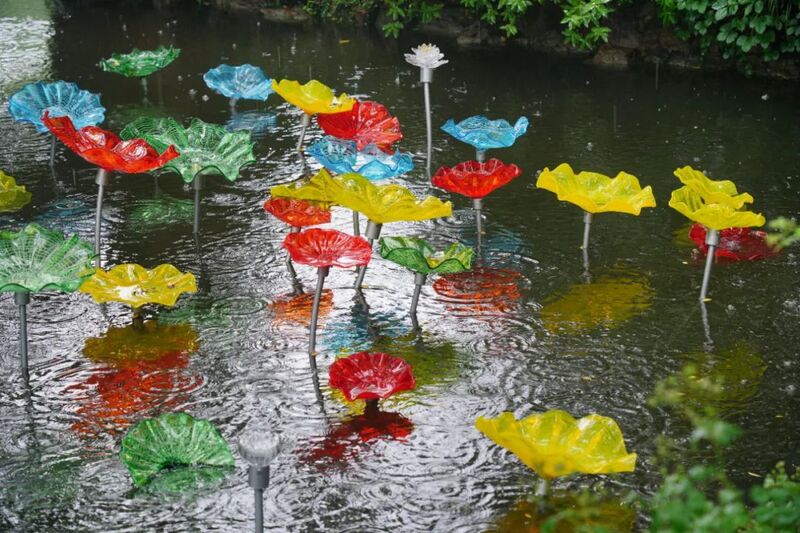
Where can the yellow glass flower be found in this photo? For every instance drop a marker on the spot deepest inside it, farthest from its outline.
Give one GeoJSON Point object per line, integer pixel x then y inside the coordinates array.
{"type": "Point", "coordinates": [12, 196]}
{"type": "Point", "coordinates": [690, 204]}
{"type": "Point", "coordinates": [313, 97]}
{"type": "Point", "coordinates": [136, 286]}
{"type": "Point", "coordinates": [597, 193]}
{"type": "Point", "coordinates": [711, 191]}
{"type": "Point", "coordinates": [554, 444]}
{"type": "Point", "coordinates": [379, 203]}
{"type": "Point", "coordinates": [607, 302]}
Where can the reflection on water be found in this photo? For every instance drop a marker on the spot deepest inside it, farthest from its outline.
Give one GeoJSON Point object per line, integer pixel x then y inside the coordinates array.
{"type": "Point", "coordinates": [490, 340]}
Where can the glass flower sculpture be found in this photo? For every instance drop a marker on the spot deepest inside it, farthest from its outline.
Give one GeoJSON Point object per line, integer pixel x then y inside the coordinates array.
{"type": "Point", "coordinates": [717, 205]}
{"type": "Point", "coordinates": [370, 376]}
{"type": "Point", "coordinates": [427, 57]}
{"type": "Point", "coordinates": [735, 244]}
{"type": "Point", "coordinates": [418, 256]}
{"type": "Point", "coordinates": [322, 249]}
{"type": "Point", "coordinates": [204, 148]}
{"type": "Point", "coordinates": [136, 286]}
{"type": "Point", "coordinates": [38, 260]}
{"type": "Point", "coordinates": [607, 302]}
{"type": "Point", "coordinates": [343, 157]}
{"type": "Point", "coordinates": [58, 99]}
{"type": "Point", "coordinates": [241, 82]}
{"type": "Point", "coordinates": [313, 97]}
{"type": "Point", "coordinates": [483, 134]}
{"type": "Point", "coordinates": [170, 441]}
{"type": "Point", "coordinates": [379, 203]}
{"type": "Point", "coordinates": [298, 213]}
{"type": "Point", "coordinates": [366, 123]}
{"type": "Point", "coordinates": [140, 63]}
{"type": "Point", "coordinates": [104, 149]}
{"type": "Point", "coordinates": [554, 444]}
{"type": "Point", "coordinates": [13, 197]}
{"type": "Point", "coordinates": [483, 290]}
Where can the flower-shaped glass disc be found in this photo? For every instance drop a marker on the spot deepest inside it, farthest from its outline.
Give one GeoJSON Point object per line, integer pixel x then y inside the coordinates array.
{"type": "Point", "coordinates": [136, 286]}
{"type": "Point", "coordinates": [342, 157]}
{"type": "Point", "coordinates": [313, 97]}
{"type": "Point", "coordinates": [322, 248]}
{"type": "Point", "coordinates": [13, 197]}
{"type": "Point", "coordinates": [245, 82]}
{"type": "Point", "coordinates": [58, 99]}
{"type": "Point", "coordinates": [366, 123]}
{"type": "Point", "coordinates": [473, 179]}
{"type": "Point", "coordinates": [484, 134]}
{"type": "Point", "coordinates": [140, 63]}
{"type": "Point", "coordinates": [370, 376]}
{"type": "Point", "coordinates": [298, 213]}
{"type": "Point", "coordinates": [418, 256]}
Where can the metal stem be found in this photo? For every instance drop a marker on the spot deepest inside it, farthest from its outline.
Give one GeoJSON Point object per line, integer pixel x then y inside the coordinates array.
{"type": "Point", "coordinates": [198, 186]}
{"type": "Point", "coordinates": [428, 126]}
{"type": "Point", "coordinates": [419, 281]}
{"type": "Point", "coordinates": [712, 240]}
{"type": "Point", "coordinates": [372, 233]}
{"type": "Point", "coordinates": [232, 103]}
{"type": "Point", "coordinates": [480, 156]}
{"type": "Point", "coordinates": [258, 479]}
{"type": "Point", "coordinates": [52, 150]}
{"type": "Point", "coordinates": [356, 223]}
{"type": "Point", "coordinates": [322, 273]}
{"type": "Point", "coordinates": [477, 204]}
{"type": "Point", "coordinates": [144, 85]}
{"type": "Point", "coordinates": [587, 227]}
{"type": "Point", "coordinates": [101, 180]}
{"type": "Point", "coordinates": [22, 299]}
{"type": "Point", "coordinates": [305, 121]}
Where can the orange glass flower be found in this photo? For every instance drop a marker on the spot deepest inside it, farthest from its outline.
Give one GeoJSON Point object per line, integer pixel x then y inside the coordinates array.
{"type": "Point", "coordinates": [473, 179]}
{"type": "Point", "coordinates": [370, 376]}
{"type": "Point", "coordinates": [104, 149]}
{"type": "Point", "coordinates": [321, 248]}
{"type": "Point", "coordinates": [296, 212]}
{"type": "Point", "coordinates": [366, 123]}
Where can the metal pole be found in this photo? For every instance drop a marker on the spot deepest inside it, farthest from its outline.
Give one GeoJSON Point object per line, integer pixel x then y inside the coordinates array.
{"type": "Point", "coordinates": [144, 85]}
{"type": "Point", "coordinates": [52, 149]}
{"type": "Point", "coordinates": [477, 204]}
{"type": "Point", "coordinates": [101, 180]}
{"type": "Point", "coordinates": [198, 186]}
{"type": "Point", "coordinates": [305, 121]}
{"type": "Point", "coordinates": [480, 156]}
{"type": "Point", "coordinates": [587, 227]}
{"type": "Point", "coordinates": [322, 273]}
{"type": "Point", "coordinates": [712, 241]}
{"type": "Point", "coordinates": [22, 299]}
{"type": "Point", "coordinates": [258, 479]}
{"type": "Point", "coordinates": [426, 77]}
{"type": "Point", "coordinates": [419, 281]}
{"type": "Point", "coordinates": [356, 224]}
{"type": "Point", "coordinates": [289, 264]}
{"type": "Point", "coordinates": [372, 233]}
{"type": "Point", "coordinates": [232, 103]}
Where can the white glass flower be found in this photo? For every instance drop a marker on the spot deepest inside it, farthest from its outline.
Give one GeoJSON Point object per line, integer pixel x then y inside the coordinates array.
{"type": "Point", "coordinates": [259, 447]}
{"type": "Point", "coordinates": [426, 56]}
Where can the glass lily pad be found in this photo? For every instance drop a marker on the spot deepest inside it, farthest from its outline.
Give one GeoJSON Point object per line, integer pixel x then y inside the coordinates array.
{"type": "Point", "coordinates": [554, 444]}
{"type": "Point", "coordinates": [484, 134]}
{"type": "Point", "coordinates": [58, 99]}
{"type": "Point", "coordinates": [36, 260]}
{"type": "Point", "coordinates": [136, 286]}
{"type": "Point", "coordinates": [140, 63]}
{"type": "Point", "coordinates": [204, 148]}
{"type": "Point", "coordinates": [379, 203]}
{"type": "Point", "coordinates": [246, 82]}
{"type": "Point", "coordinates": [343, 156]}
{"type": "Point", "coordinates": [172, 441]}
{"type": "Point", "coordinates": [597, 193]}
{"type": "Point", "coordinates": [717, 216]}
{"type": "Point", "coordinates": [13, 197]}
{"type": "Point", "coordinates": [417, 255]}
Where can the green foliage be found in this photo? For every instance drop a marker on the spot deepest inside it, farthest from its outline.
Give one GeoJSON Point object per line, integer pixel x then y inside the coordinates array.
{"type": "Point", "coordinates": [738, 27]}
{"type": "Point", "coordinates": [402, 12]}
{"type": "Point", "coordinates": [785, 232]}
{"type": "Point", "coordinates": [701, 498]}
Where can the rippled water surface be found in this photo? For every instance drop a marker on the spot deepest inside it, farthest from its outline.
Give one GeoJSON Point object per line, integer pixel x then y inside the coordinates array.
{"type": "Point", "coordinates": [527, 332]}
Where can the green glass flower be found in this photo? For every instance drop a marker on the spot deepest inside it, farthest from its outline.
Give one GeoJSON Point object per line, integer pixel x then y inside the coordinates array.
{"type": "Point", "coordinates": [140, 63]}
{"type": "Point", "coordinates": [35, 259]}
{"type": "Point", "coordinates": [170, 441]}
{"type": "Point", "coordinates": [204, 148]}
{"type": "Point", "coordinates": [12, 196]}
{"type": "Point", "coordinates": [417, 255]}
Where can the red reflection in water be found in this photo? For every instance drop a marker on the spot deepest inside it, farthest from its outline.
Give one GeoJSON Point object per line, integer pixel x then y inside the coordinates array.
{"type": "Point", "coordinates": [297, 308]}
{"type": "Point", "coordinates": [735, 244]}
{"type": "Point", "coordinates": [483, 289]}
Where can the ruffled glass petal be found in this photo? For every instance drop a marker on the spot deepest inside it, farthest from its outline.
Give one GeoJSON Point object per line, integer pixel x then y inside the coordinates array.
{"type": "Point", "coordinates": [59, 99]}
{"type": "Point", "coordinates": [342, 157]}
{"type": "Point", "coordinates": [242, 82]}
{"type": "Point", "coordinates": [484, 134]}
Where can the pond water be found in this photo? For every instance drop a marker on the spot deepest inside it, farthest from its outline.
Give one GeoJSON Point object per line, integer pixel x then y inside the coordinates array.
{"type": "Point", "coordinates": [533, 335]}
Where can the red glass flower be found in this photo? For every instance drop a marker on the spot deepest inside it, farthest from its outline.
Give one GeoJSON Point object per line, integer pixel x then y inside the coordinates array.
{"type": "Point", "coordinates": [474, 179]}
{"type": "Point", "coordinates": [343, 440]}
{"type": "Point", "coordinates": [296, 212]}
{"type": "Point", "coordinates": [322, 248]}
{"type": "Point", "coordinates": [366, 123]}
{"type": "Point", "coordinates": [104, 149]}
{"type": "Point", "coordinates": [482, 289]}
{"type": "Point", "coordinates": [370, 376]}
{"type": "Point", "coordinates": [735, 244]}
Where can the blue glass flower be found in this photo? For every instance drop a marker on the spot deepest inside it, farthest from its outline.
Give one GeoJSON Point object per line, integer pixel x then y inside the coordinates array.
{"type": "Point", "coordinates": [244, 82]}
{"type": "Point", "coordinates": [342, 156]}
{"type": "Point", "coordinates": [59, 99]}
{"type": "Point", "coordinates": [484, 134]}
